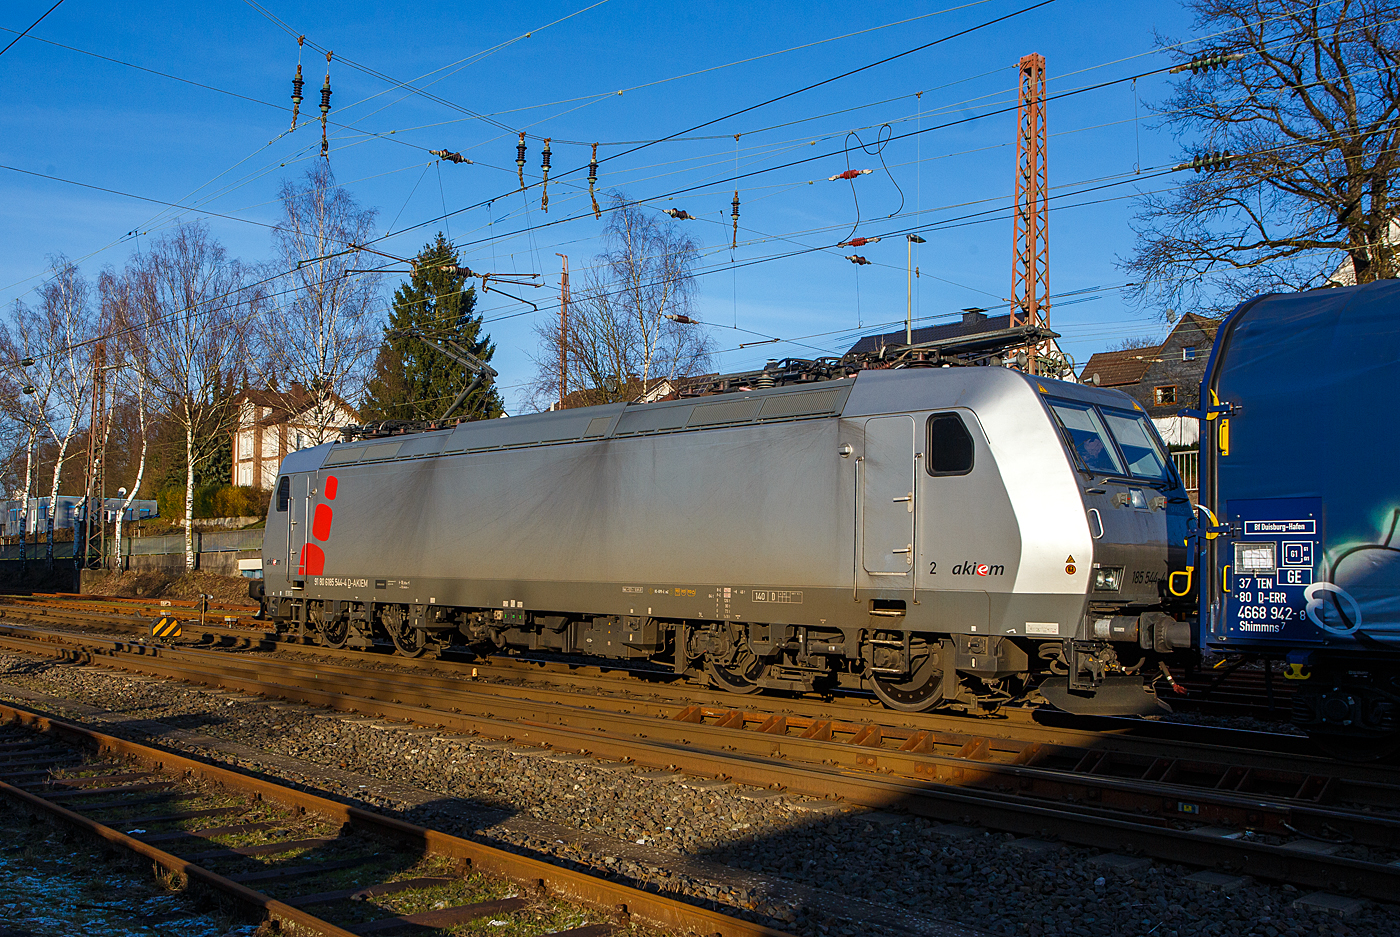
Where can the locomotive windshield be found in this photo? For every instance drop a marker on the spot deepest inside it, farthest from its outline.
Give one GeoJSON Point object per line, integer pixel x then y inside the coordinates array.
{"type": "Point", "coordinates": [1133, 444]}
{"type": "Point", "coordinates": [1138, 444]}
{"type": "Point", "coordinates": [1087, 437]}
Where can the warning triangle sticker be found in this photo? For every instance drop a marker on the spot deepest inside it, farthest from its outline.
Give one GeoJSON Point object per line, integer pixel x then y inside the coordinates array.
{"type": "Point", "coordinates": [1069, 559]}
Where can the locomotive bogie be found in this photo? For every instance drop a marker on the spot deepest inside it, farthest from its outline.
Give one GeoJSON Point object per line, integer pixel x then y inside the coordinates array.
{"type": "Point", "coordinates": [925, 534]}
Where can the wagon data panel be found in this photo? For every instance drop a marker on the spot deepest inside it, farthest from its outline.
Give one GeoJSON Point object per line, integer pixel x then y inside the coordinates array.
{"type": "Point", "coordinates": [1268, 566]}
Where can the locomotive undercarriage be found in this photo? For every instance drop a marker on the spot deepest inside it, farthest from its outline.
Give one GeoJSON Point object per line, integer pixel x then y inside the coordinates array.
{"type": "Point", "coordinates": [908, 671]}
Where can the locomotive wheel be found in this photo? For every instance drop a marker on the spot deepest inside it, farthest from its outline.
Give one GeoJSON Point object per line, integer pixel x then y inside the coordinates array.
{"type": "Point", "coordinates": [740, 677]}
{"type": "Point", "coordinates": [335, 633]}
{"type": "Point", "coordinates": [917, 692]}
{"type": "Point", "coordinates": [410, 642]}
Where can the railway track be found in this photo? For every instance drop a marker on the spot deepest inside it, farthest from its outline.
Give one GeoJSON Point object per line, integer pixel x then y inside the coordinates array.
{"type": "Point", "coordinates": [1295, 819]}
{"type": "Point", "coordinates": [1226, 692]}
{"type": "Point", "coordinates": [308, 862]}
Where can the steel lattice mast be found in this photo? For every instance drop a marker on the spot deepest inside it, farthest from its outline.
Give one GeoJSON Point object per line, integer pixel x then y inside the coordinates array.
{"type": "Point", "coordinates": [1030, 272]}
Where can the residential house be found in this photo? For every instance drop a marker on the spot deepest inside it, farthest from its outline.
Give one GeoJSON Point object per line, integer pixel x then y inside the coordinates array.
{"type": "Point", "coordinates": [272, 423]}
{"type": "Point", "coordinates": [1164, 378]}
{"type": "Point", "coordinates": [658, 388]}
{"type": "Point", "coordinates": [68, 515]}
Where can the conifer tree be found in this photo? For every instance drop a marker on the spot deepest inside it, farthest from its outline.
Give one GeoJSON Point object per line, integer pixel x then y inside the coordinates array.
{"type": "Point", "coordinates": [413, 380]}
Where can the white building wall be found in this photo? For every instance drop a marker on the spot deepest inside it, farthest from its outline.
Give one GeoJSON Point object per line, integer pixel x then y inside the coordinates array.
{"type": "Point", "coordinates": [1178, 430]}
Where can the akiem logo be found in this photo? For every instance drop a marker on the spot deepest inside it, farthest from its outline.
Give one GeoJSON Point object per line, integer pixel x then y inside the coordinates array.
{"type": "Point", "coordinates": [969, 568]}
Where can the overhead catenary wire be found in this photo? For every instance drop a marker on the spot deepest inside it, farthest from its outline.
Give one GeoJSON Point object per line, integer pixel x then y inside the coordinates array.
{"type": "Point", "coordinates": [182, 207]}
{"type": "Point", "coordinates": [27, 29]}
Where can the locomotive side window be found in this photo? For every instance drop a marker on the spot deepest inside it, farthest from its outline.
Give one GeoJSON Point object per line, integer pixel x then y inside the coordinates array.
{"type": "Point", "coordinates": [1138, 443]}
{"type": "Point", "coordinates": [284, 492]}
{"type": "Point", "coordinates": [949, 445]}
{"type": "Point", "coordinates": [1087, 437]}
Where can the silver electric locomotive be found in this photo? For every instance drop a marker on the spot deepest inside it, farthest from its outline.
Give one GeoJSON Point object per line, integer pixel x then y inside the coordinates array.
{"type": "Point", "coordinates": [941, 536]}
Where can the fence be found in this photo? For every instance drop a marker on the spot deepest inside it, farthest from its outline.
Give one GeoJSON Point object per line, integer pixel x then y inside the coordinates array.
{"type": "Point", "coordinates": [212, 541]}
{"type": "Point", "coordinates": [1188, 466]}
{"type": "Point", "coordinates": [62, 549]}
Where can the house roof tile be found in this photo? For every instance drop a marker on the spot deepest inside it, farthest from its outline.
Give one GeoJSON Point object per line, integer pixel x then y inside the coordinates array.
{"type": "Point", "coordinates": [1117, 368]}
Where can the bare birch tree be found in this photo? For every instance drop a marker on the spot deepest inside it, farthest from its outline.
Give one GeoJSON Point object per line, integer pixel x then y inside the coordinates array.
{"type": "Point", "coordinates": [130, 377]}
{"type": "Point", "coordinates": [323, 335]}
{"type": "Point", "coordinates": [1300, 103]}
{"type": "Point", "coordinates": [621, 337]}
{"type": "Point", "coordinates": [22, 423]}
{"type": "Point", "coordinates": [194, 313]}
{"type": "Point", "coordinates": [56, 335]}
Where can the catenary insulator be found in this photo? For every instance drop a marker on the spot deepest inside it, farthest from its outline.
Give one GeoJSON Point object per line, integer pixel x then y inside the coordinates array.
{"type": "Point", "coordinates": [734, 213]}
{"type": "Point", "coordinates": [326, 105]}
{"type": "Point", "coordinates": [680, 214]}
{"type": "Point", "coordinates": [544, 172]}
{"type": "Point", "coordinates": [520, 159]}
{"type": "Point", "coordinates": [298, 83]}
{"type": "Point", "coordinates": [857, 259]}
{"type": "Point", "coordinates": [1204, 63]}
{"type": "Point", "coordinates": [849, 174]}
{"type": "Point", "coordinates": [450, 156]}
{"type": "Point", "coordinates": [592, 181]}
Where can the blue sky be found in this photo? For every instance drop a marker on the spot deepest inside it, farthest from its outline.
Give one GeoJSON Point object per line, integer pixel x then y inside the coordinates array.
{"type": "Point", "coordinates": [74, 116]}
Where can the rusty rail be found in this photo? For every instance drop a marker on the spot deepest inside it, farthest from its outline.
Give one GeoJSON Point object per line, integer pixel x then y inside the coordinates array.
{"type": "Point", "coordinates": [612, 897]}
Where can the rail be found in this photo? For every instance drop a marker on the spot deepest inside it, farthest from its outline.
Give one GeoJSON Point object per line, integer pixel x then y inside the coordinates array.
{"type": "Point", "coordinates": [1100, 796]}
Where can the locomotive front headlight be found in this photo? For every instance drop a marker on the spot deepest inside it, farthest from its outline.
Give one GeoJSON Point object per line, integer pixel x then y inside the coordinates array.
{"type": "Point", "coordinates": [1108, 578]}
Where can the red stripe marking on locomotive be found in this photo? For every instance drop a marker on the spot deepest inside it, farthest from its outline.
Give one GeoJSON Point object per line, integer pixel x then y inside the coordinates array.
{"type": "Point", "coordinates": [332, 483]}
{"type": "Point", "coordinates": [321, 522]}
{"type": "Point", "coordinates": [313, 560]}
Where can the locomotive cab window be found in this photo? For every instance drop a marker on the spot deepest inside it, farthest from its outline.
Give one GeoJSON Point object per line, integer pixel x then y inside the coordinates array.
{"type": "Point", "coordinates": [1088, 437]}
{"type": "Point", "coordinates": [1138, 442]}
{"type": "Point", "coordinates": [950, 447]}
{"type": "Point", "coordinates": [284, 492]}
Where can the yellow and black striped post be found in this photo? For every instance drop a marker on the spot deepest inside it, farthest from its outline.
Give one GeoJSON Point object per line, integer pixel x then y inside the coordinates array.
{"type": "Point", "coordinates": [166, 627]}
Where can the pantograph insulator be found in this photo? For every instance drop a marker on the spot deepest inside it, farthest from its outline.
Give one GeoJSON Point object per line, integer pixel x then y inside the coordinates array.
{"type": "Point", "coordinates": [449, 156]}
{"type": "Point", "coordinates": [849, 174]}
{"type": "Point", "coordinates": [544, 172]}
{"type": "Point", "coordinates": [858, 242]}
{"type": "Point", "coordinates": [856, 259]}
{"type": "Point", "coordinates": [592, 181]}
{"type": "Point", "coordinates": [680, 214]}
{"type": "Point", "coordinates": [520, 159]}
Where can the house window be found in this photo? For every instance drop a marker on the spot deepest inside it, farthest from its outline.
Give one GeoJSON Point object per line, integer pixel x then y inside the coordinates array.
{"type": "Point", "coordinates": [1188, 353]}
{"type": "Point", "coordinates": [1164, 395]}
{"type": "Point", "coordinates": [245, 445]}
{"type": "Point", "coordinates": [245, 475]}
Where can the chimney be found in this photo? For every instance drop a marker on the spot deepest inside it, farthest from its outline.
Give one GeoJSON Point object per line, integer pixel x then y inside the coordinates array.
{"type": "Point", "coordinates": [974, 314]}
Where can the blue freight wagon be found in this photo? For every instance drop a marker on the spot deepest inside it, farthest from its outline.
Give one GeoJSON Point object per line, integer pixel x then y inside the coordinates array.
{"type": "Point", "coordinates": [1300, 503]}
